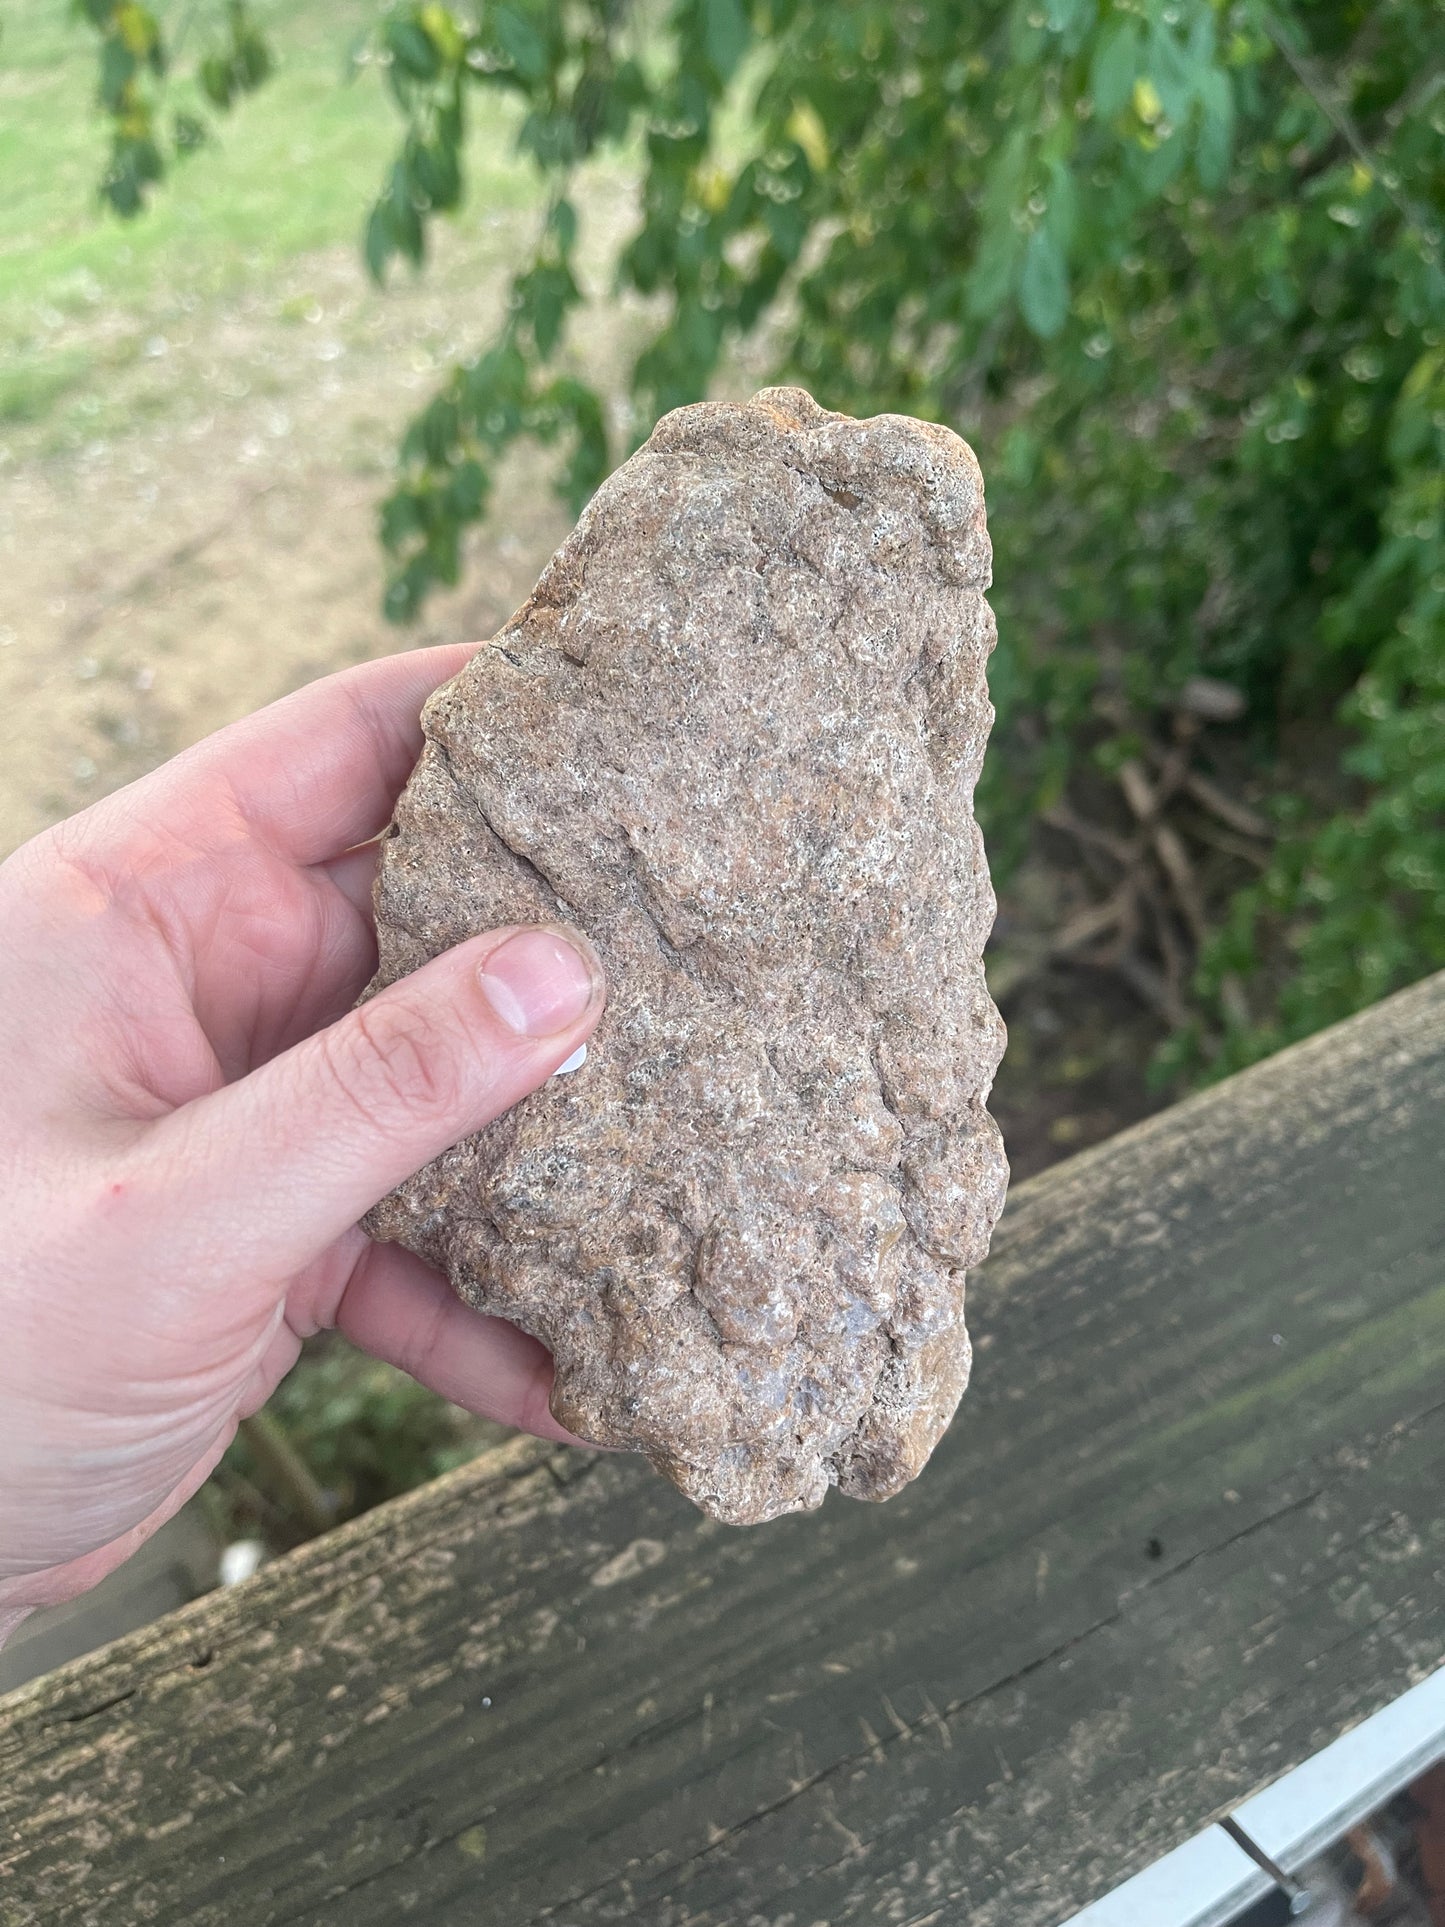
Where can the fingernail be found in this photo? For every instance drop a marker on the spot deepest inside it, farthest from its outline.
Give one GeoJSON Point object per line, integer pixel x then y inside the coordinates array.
{"type": "Point", "coordinates": [537, 983]}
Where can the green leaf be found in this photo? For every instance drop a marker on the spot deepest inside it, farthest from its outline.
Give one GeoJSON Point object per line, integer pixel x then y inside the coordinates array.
{"type": "Point", "coordinates": [117, 69]}
{"type": "Point", "coordinates": [1062, 14]}
{"type": "Point", "coordinates": [439, 26]}
{"type": "Point", "coordinates": [1171, 74]}
{"type": "Point", "coordinates": [563, 222]}
{"type": "Point", "coordinates": [404, 592]}
{"type": "Point", "coordinates": [741, 202]}
{"type": "Point", "coordinates": [377, 243]}
{"type": "Point", "coordinates": [787, 225]}
{"type": "Point", "coordinates": [436, 172]}
{"type": "Point", "coordinates": [432, 435]}
{"type": "Point", "coordinates": [412, 49]}
{"type": "Point", "coordinates": [1062, 214]}
{"type": "Point", "coordinates": [403, 217]}
{"type": "Point", "coordinates": [725, 35]}
{"type": "Point", "coordinates": [400, 519]}
{"type": "Point", "coordinates": [467, 490]}
{"type": "Point", "coordinates": [547, 317]}
{"type": "Point", "coordinates": [1157, 169]}
{"type": "Point", "coordinates": [1215, 139]}
{"type": "Point", "coordinates": [1202, 37]}
{"type": "Point", "coordinates": [597, 112]}
{"type": "Point", "coordinates": [135, 164]}
{"type": "Point", "coordinates": [189, 133]}
{"type": "Point", "coordinates": [250, 56]}
{"type": "Point", "coordinates": [991, 278]}
{"type": "Point", "coordinates": [551, 139]}
{"type": "Point", "coordinates": [520, 41]}
{"type": "Point", "coordinates": [542, 299]}
{"type": "Point", "coordinates": [214, 74]}
{"type": "Point", "coordinates": [1114, 67]}
{"type": "Point", "coordinates": [1044, 285]}
{"type": "Point", "coordinates": [805, 125]}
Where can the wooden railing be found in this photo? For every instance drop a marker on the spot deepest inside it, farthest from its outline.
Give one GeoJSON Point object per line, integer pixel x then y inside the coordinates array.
{"type": "Point", "coordinates": [1187, 1528]}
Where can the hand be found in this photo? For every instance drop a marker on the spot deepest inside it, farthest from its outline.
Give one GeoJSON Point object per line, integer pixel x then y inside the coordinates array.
{"type": "Point", "coordinates": [191, 1124]}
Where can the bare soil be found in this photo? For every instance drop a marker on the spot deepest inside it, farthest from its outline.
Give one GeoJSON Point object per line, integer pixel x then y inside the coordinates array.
{"type": "Point", "coordinates": [218, 547]}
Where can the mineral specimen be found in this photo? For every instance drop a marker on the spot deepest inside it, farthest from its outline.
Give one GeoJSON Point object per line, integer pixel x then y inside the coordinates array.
{"type": "Point", "coordinates": [734, 736]}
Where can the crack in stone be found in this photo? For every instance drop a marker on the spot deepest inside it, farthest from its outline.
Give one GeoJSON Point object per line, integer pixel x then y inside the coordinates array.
{"type": "Point", "coordinates": [528, 865]}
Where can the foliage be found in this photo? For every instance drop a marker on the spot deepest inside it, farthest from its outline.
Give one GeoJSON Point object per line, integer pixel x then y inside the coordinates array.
{"type": "Point", "coordinates": [1360, 901]}
{"type": "Point", "coordinates": [365, 1431]}
{"type": "Point", "coordinates": [84, 296]}
{"type": "Point", "coordinates": [1173, 264]}
{"type": "Point", "coordinates": [135, 57]}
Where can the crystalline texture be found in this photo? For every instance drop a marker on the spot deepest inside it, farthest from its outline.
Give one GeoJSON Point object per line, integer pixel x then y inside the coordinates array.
{"type": "Point", "coordinates": [734, 736]}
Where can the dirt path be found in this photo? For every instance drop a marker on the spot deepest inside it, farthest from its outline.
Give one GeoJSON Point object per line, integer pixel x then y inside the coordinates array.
{"type": "Point", "coordinates": [220, 548]}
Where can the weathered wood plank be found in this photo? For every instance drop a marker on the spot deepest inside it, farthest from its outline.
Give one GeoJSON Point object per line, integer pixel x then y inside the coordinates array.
{"type": "Point", "coordinates": [1186, 1529]}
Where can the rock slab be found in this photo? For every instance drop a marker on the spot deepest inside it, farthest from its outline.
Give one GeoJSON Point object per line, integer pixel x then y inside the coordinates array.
{"type": "Point", "coordinates": [734, 736]}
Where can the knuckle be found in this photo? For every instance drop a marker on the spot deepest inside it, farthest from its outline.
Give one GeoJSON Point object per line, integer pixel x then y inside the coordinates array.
{"type": "Point", "coordinates": [396, 1064]}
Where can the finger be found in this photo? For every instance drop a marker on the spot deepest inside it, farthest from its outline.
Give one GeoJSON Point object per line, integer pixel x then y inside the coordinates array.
{"type": "Point", "coordinates": [354, 873]}
{"type": "Point", "coordinates": [401, 1311]}
{"type": "Point", "coordinates": [319, 771]}
{"type": "Point", "coordinates": [281, 1163]}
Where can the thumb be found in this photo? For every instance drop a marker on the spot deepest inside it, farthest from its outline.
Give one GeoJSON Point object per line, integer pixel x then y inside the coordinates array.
{"type": "Point", "coordinates": [281, 1163]}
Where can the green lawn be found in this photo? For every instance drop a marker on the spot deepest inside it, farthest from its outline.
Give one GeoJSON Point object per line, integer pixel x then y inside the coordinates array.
{"type": "Point", "coordinates": [292, 169]}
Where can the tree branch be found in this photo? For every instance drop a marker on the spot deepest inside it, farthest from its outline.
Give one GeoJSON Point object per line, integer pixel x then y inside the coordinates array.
{"type": "Point", "coordinates": [1339, 117]}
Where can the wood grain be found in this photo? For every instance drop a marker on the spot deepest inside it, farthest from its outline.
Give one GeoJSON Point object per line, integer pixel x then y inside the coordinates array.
{"type": "Point", "coordinates": [1186, 1529]}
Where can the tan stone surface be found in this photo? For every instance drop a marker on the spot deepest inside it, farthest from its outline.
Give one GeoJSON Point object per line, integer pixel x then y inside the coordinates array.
{"type": "Point", "coordinates": [734, 736]}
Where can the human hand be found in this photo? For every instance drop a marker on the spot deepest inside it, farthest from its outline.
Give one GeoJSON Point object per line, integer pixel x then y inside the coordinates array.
{"type": "Point", "coordinates": [191, 1123]}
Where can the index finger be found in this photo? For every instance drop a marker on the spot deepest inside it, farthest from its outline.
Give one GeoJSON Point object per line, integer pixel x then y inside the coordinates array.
{"type": "Point", "coordinates": [319, 771]}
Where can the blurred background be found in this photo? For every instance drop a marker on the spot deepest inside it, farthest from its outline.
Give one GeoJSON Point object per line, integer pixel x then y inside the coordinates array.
{"type": "Point", "coordinates": [319, 322]}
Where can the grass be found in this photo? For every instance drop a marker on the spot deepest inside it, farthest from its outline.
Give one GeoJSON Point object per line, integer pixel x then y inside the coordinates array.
{"type": "Point", "coordinates": [288, 170]}
{"type": "Point", "coordinates": [291, 171]}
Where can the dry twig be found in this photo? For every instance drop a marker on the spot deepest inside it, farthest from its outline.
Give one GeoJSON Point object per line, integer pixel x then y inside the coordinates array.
{"type": "Point", "coordinates": [288, 1472]}
{"type": "Point", "coordinates": [1136, 891]}
{"type": "Point", "coordinates": [1146, 804]}
{"type": "Point", "coordinates": [1238, 816]}
{"type": "Point", "coordinates": [1230, 845]}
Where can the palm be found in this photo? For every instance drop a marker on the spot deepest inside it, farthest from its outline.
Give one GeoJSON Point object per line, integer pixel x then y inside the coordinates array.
{"type": "Point", "coordinates": [200, 925]}
{"type": "Point", "coordinates": [254, 952]}
{"type": "Point", "coordinates": [207, 945]}
{"type": "Point", "coordinates": [224, 959]}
